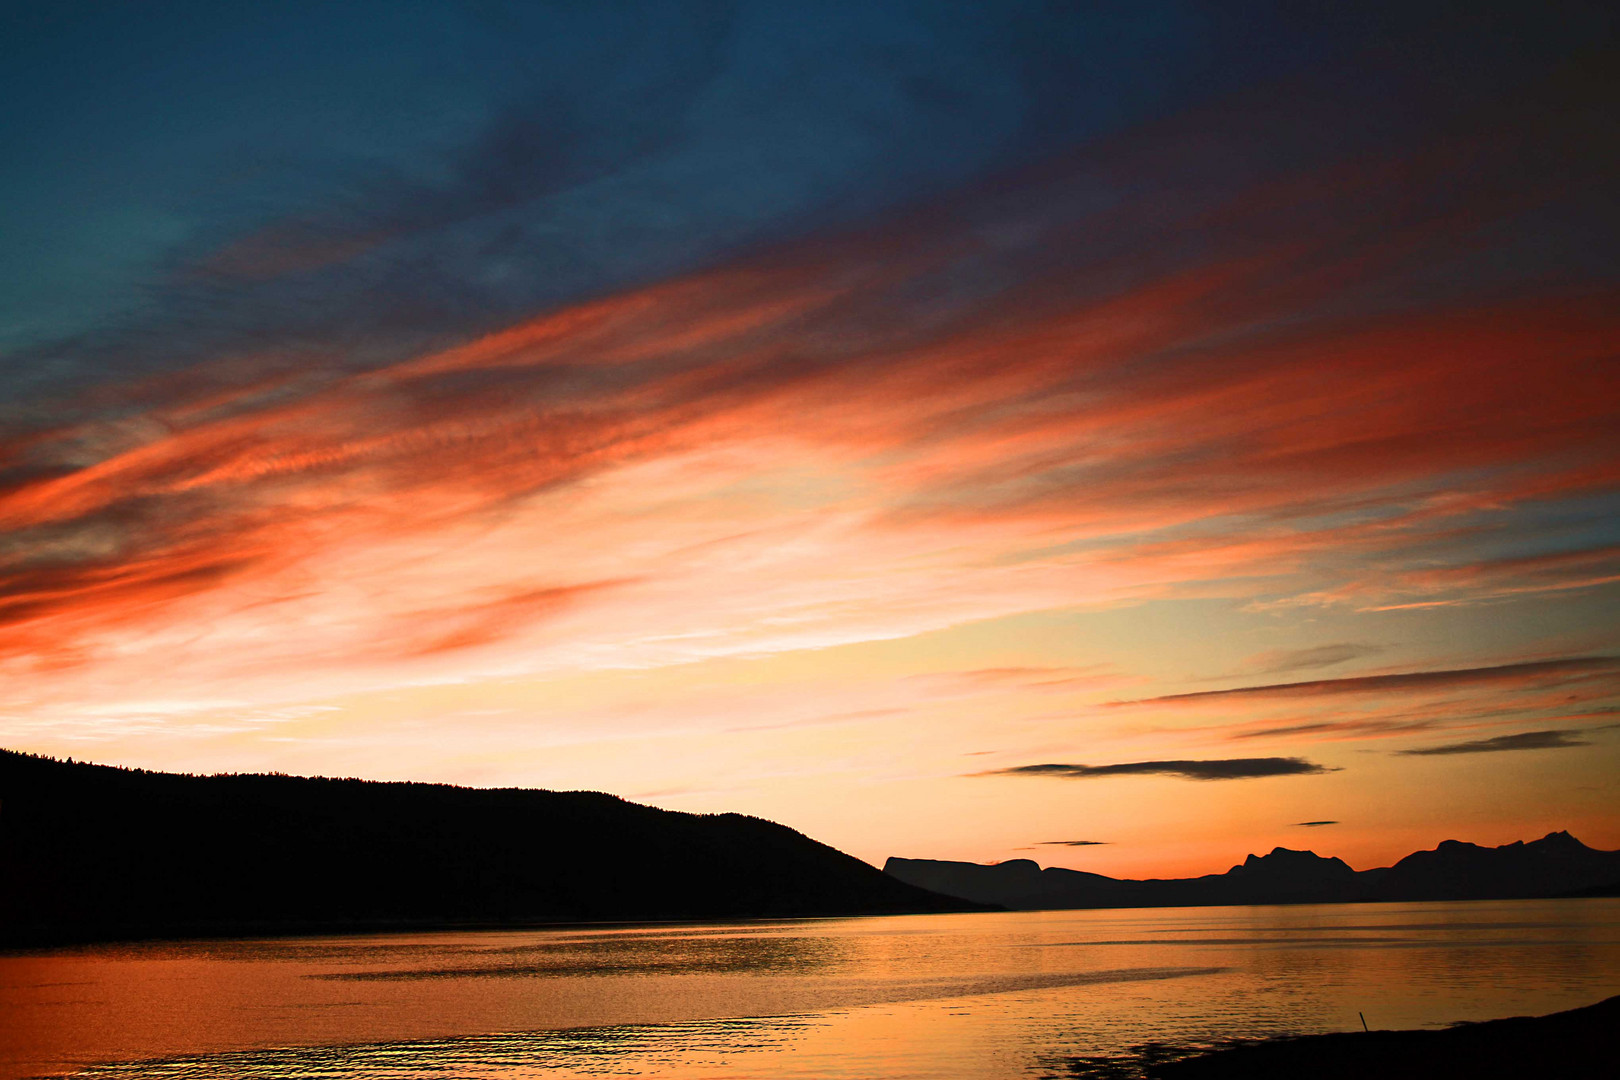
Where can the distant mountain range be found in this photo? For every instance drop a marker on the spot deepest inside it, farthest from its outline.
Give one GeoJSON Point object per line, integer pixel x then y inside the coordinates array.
{"type": "Point", "coordinates": [93, 852]}
{"type": "Point", "coordinates": [1556, 865]}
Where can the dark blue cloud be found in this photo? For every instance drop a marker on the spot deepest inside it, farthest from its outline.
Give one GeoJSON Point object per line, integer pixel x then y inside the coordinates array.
{"type": "Point", "coordinates": [1217, 769]}
{"type": "Point", "coordinates": [329, 187]}
{"type": "Point", "coordinates": [1523, 740]}
{"type": "Point", "coordinates": [204, 174]}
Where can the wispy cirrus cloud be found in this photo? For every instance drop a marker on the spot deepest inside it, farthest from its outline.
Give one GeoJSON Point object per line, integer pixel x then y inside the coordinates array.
{"type": "Point", "coordinates": [1475, 701]}
{"type": "Point", "coordinates": [1219, 769]}
{"type": "Point", "coordinates": [1072, 843]}
{"type": "Point", "coordinates": [1517, 674]}
{"type": "Point", "coordinates": [1002, 402]}
{"type": "Point", "coordinates": [1313, 824]}
{"type": "Point", "coordinates": [766, 413]}
{"type": "Point", "coordinates": [1281, 661]}
{"type": "Point", "coordinates": [1385, 720]}
{"type": "Point", "coordinates": [1523, 740]}
{"type": "Point", "coordinates": [1473, 581]}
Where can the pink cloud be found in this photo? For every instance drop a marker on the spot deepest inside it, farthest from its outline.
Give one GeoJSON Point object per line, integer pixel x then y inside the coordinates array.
{"type": "Point", "coordinates": [807, 449]}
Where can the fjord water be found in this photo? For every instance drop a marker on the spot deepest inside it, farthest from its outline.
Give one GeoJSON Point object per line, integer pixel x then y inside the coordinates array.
{"type": "Point", "coordinates": [983, 995]}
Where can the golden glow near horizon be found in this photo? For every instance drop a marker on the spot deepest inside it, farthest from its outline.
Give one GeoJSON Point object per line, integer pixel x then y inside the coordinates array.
{"type": "Point", "coordinates": [796, 538]}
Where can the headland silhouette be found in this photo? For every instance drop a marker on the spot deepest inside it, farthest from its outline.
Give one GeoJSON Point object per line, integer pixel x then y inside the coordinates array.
{"type": "Point", "coordinates": [93, 852]}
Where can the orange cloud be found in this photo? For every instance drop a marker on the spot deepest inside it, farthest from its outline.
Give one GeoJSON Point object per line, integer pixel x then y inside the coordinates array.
{"type": "Point", "coordinates": [957, 417]}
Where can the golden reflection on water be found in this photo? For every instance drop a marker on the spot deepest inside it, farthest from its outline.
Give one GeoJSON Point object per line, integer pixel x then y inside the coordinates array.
{"type": "Point", "coordinates": [997, 995]}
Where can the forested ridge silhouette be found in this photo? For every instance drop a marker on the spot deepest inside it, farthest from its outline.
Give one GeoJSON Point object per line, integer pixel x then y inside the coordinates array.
{"type": "Point", "coordinates": [100, 852]}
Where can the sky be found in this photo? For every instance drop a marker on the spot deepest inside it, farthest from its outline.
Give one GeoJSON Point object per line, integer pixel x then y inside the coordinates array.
{"type": "Point", "coordinates": [1124, 436]}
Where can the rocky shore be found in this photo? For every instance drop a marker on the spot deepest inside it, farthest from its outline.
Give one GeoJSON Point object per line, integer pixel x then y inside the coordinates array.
{"type": "Point", "coordinates": [1579, 1042]}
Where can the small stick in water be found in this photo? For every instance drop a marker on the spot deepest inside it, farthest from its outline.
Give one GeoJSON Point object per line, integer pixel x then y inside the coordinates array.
{"type": "Point", "coordinates": [1363, 1022]}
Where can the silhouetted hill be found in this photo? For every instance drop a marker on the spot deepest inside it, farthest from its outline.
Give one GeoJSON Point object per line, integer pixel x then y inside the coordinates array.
{"type": "Point", "coordinates": [89, 851]}
{"type": "Point", "coordinates": [1014, 883]}
{"type": "Point", "coordinates": [1556, 865]}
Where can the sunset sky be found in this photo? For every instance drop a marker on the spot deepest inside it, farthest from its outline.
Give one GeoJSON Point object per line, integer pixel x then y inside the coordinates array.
{"type": "Point", "coordinates": [1124, 436]}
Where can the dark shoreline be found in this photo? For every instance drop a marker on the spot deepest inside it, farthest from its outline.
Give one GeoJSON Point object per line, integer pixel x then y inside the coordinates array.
{"type": "Point", "coordinates": [27, 941]}
{"type": "Point", "coordinates": [31, 939]}
{"type": "Point", "coordinates": [1572, 1043]}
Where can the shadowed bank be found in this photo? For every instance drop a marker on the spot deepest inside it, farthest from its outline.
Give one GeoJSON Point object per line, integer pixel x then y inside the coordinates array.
{"type": "Point", "coordinates": [1574, 1043]}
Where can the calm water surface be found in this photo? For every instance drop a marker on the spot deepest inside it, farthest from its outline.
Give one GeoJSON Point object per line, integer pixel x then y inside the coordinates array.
{"type": "Point", "coordinates": [929, 996]}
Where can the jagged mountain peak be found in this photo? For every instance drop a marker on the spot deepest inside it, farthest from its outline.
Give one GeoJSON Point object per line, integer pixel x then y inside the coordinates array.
{"type": "Point", "coordinates": [1558, 842]}
{"type": "Point", "coordinates": [1463, 845]}
{"type": "Point", "coordinates": [1283, 853]}
{"type": "Point", "coordinates": [1288, 860]}
{"type": "Point", "coordinates": [1019, 864]}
